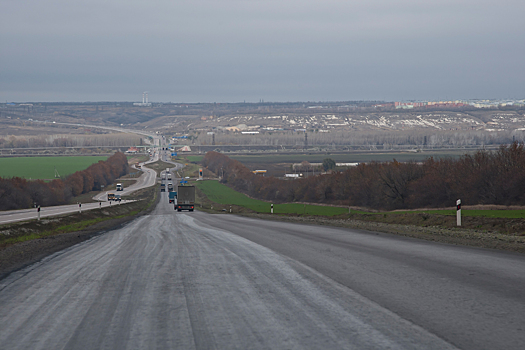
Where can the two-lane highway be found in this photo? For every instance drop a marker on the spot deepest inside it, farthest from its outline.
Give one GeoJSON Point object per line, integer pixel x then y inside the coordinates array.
{"type": "Point", "coordinates": [194, 280]}
{"type": "Point", "coordinates": [147, 179]}
{"type": "Point", "coordinates": [30, 214]}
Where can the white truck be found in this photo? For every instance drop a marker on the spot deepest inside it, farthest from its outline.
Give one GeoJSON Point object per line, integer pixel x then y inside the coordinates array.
{"type": "Point", "coordinates": [120, 187]}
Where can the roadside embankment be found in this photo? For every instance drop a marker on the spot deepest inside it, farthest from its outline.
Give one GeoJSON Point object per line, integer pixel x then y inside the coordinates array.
{"type": "Point", "coordinates": [494, 227]}
{"type": "Point", "coordinates": [475, 237]}
{"type": "Point", "coordinates": [22, 244]}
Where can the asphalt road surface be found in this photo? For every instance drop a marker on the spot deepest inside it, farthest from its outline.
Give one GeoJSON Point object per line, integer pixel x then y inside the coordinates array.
{"type": "Point", "coordinates": [147, 179]}
{"type": "Point", "coordinates": [29, 214]}
{"type": "Point", "coordinates": [201, 281]}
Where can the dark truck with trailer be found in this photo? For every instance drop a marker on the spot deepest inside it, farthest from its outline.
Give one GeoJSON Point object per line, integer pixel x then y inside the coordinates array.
{"type": "Point", "coordinates": [185, 198]}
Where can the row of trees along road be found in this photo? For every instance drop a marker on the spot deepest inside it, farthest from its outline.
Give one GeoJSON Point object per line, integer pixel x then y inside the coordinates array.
{"type": "Point", "coordinates": [486, 177]}
{"type": "Point", "coordinates": [18, 193]}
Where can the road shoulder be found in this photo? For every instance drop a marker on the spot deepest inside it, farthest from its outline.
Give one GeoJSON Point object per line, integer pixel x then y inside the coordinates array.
{"type": "Point", "coordinates": [457, 236]}
{"type": "Point", "coordinates": [14, 257]}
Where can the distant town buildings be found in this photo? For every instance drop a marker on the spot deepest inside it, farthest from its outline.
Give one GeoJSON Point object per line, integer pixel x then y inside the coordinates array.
{"type": "Point", "coordinates": [439, 104]}
{"type": "Point", "coordinates": [457, 103]}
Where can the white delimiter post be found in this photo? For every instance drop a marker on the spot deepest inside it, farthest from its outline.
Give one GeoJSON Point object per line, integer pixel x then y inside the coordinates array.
{"type": "Point", "coordinates": [458, 211]}
{"type": "Point", "coordinates": [272, 209]}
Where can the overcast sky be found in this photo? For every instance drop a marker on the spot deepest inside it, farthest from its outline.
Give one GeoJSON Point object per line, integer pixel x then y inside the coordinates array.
{"type": "Point", "coordinates": [248, 50]}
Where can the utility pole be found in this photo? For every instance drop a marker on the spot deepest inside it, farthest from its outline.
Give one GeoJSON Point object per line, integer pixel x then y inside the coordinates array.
{"type": "Point", "coordinates": [305, 140]}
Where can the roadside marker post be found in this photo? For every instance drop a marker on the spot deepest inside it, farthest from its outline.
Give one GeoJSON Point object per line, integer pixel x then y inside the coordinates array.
{"type": "Point", "coordinates": [271, 209]}
{"type": "Point", "coordinates": [80, 208]}
{"type": "Point", "coordinates": [38, 211]}
{"type": "Point", "coordinates": [458, 212]}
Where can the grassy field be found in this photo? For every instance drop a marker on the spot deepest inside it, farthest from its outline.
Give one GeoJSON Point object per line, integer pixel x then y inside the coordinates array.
{"type": "Point", "coordinates": [137, 158]}
{"type": "Point", "coordinates": [500, 213]}
{"type": "Point", "coordinates": [44, 167]}
{"type": "Point", "coordinates": [340, 158]}
{"type": "Point", "coordinates": [159, 166]}
{"type": "Point", "coordinates": [344, 158]}
{"type": "Point", "coordinates": [190, 169]}
{"type": "Point", "coordinates": [195, 159]}
{"type": "Point", "coordinates": [278, 164]}
{"type": "Point", "coordinates": [222, 194]}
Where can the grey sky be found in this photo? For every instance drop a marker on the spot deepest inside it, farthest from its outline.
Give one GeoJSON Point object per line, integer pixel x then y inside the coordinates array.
{"type": "Point", "coordinates": [286, 50]}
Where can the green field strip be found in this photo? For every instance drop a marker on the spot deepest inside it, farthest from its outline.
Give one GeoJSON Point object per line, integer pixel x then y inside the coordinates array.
{"type": "Point", "coordinates": [222, 194]}
{"type": "Point", "coordinates": [195, 159]}
{"type": "Point", "coordinates": [44, 167]}
{"type": "Point", "coordinates": [498, 213]}
{"type": "Point", "coordinates": [346, 157]}
{"type": "Point", "coordinates": [339, 158]}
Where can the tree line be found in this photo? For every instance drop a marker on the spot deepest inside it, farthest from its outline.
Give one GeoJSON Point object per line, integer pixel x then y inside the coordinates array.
{"type": "Point", "coordinates": [376, 139]}
{"type": "Point", "coordinates": [69, 140]}
{"type": "Point", "coordinates": [19, 193]}
{"type": "Point", "coordinates": [485, 177]}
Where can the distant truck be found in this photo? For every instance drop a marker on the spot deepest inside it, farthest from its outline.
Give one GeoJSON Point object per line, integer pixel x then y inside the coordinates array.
{"type": "Point", "coordinates": [172, 196]}
{"type": "Point", "coordinates": [185, 198]}
{"type": "Point", "coordinates": [169, 176]}
{"type": "Point", "coordinates": [162, 187]}
{"type": "Point", "coordinates": [170, 187]}
{"type": "Point", "coordinates": [120, 187]}
{"type": "Point", "coordinates": [111, 197]}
